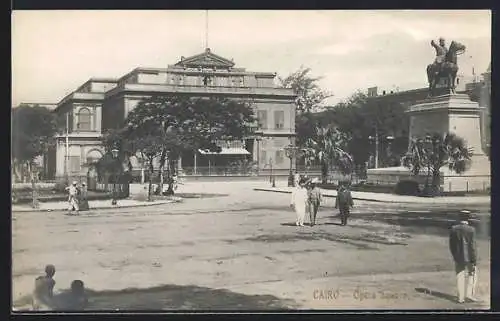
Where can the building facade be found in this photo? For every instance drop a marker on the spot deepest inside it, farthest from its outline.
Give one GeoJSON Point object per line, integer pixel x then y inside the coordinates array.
{"type": "Point", "coordinates": [102, 104]}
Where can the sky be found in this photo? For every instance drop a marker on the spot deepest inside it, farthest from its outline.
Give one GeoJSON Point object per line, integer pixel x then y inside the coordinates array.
{"type": "Point", "coordinates": [54, 52]}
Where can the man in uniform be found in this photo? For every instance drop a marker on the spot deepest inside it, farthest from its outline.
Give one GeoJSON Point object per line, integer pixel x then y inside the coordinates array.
{"type": "Point", "coordinates": [464, 252]}
{"type": "Point", "coordinates": [441, 51]}
{"type": "Point", "coordinates": [344, 202]}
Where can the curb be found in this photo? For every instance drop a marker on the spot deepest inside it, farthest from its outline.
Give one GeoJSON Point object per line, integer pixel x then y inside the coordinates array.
{"type": "Point", "coordinates": [98, 208]}
{"type": "Point", "coordinates": [370, 199]}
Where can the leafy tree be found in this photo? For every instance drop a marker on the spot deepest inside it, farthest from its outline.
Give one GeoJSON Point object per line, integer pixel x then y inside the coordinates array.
{"type": "Point", "coordinates": [327, 146]}
{"type": "Point", "coordinates": [164, 127]}
{"type": "Point", "coordinates": [432, 152]}
{"type": "Point", "coordinates": [361, 117]}
{"type": "Point", "coordinates": [33, 130]}
{"type": "Point", "coordinates": [309, 95]}
{"type": "Point", "coordinates": [310, 98]}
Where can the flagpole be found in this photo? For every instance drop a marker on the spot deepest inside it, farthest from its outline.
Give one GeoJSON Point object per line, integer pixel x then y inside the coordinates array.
{"type": "Point", "coordinates": [206, 29]}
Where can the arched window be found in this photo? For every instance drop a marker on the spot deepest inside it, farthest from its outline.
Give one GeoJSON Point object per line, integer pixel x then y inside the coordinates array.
{"type": "Point", "coordinates": [84, 119]}
{"type": "Point", "coordinates": [93, 156]}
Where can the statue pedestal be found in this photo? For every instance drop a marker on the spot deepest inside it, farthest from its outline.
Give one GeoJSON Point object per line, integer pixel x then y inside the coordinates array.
{"type": "Point", "coordinates": [454, 113]}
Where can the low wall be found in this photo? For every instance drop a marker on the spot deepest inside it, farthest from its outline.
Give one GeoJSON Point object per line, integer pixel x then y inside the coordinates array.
{"type": "Point", "coordinates": [449, 183]}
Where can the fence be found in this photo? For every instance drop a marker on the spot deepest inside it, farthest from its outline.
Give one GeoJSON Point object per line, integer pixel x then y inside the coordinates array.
{"type": "Point", "coordinates": [220, 171]}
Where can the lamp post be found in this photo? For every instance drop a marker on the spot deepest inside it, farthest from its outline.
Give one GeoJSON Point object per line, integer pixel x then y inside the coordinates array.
{"type": "Point", "coordinates": [272, 180]}
{"type": "Point", "coordinates": [114, 153]}
{"type": "Point", "coordinates": [291, 153]}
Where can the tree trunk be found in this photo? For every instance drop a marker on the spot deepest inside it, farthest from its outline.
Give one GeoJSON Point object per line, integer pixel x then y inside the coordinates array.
{"type": "Point", "coordinates": [436, 181]}
{"type": "Point", "coordinates": [170, 181]}
{"type": "Point", "coordinates": [150, 180]}
{"type": "Point", "coordinates": [324, 172]}
{"type": "Point", "coordinates": [33, 186]}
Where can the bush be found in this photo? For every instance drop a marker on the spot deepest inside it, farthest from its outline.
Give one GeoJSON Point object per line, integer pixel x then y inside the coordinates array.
{"type": "Point", "coordinates": [407, 187]}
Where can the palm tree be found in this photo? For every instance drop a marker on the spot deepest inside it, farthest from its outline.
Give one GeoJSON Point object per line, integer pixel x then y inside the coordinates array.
{"type": "Point", "coordinates": [327, 147]}
{"type": "Point", "coordinates": [433, 152]}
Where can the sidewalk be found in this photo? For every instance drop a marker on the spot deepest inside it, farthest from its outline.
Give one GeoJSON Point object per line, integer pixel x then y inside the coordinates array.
{"type": "Point", "coordinates": [392, 198]}
{"type": "Point", "coordinates": [99, 204]}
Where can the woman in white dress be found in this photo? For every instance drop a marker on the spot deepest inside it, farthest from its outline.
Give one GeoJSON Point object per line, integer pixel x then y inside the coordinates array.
{"type": "Point", "coordinates": [299, 202]}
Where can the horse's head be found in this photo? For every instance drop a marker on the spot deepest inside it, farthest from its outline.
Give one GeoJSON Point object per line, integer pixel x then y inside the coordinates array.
{"type": "Point", "coordinates": [456, 48]}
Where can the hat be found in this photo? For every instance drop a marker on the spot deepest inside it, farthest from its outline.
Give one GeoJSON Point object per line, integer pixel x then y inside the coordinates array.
{"type": "Point", "coordinates": [84, 184]}
{"type": "Point", "coordinates": [465, 214]}
{"type": "Point", "coordinates": [75, 182]}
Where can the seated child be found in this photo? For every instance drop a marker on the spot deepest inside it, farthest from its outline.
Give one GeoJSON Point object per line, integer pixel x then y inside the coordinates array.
{"type": "Point", "coordinates": [44, 289]}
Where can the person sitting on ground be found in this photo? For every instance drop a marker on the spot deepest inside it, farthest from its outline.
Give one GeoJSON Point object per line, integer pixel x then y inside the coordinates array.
{"type": "Point", "coordinates": [44, 289]}
{"type": "Point", "coordinates": [73, 300]}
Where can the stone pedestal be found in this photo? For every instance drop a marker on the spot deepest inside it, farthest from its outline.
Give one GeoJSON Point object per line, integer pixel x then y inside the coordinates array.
{"type": "Point", "coordinates": [454, 113]}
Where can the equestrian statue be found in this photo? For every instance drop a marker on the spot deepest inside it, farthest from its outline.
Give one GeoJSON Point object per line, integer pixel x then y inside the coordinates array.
{"type": "Point", "coordinates": [444, 66]}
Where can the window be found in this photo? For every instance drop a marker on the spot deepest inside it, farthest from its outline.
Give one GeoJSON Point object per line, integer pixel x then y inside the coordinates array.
{"type": "Point", "coordinates": [262, 117]}
{"type": "Point", "coordinates": [279, 157]}
{"type": "Point", "coordinates": [279, 119]}
{"type": "Point", "coordinates": [84, 119]}
{"type": "Point", "coordinates": [74, 164]}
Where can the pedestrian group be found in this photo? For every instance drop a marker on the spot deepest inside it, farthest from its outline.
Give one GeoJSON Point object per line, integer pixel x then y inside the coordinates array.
{"type": "Point", "coordinates": [307, 198]}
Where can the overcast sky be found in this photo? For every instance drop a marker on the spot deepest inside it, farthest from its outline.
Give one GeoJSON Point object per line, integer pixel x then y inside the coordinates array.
{"type": "Point", "coordinates": [53, 52]}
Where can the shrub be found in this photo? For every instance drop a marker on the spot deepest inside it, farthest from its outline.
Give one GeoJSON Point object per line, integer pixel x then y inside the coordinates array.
{"type": "Point", "coordinates": [407, 187]}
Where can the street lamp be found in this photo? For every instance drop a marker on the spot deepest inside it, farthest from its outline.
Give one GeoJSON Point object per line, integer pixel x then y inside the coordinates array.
{"type": "Point", "coordinates": [272, 180]}
{"type": "Point", "coordinates": [291, 152]}
{"type": "Point", "coordinates": [114, 153]}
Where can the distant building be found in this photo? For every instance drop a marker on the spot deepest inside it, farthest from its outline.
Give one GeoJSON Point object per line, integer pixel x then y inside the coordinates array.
{"type": "Point", "coordinates": [100, 104]}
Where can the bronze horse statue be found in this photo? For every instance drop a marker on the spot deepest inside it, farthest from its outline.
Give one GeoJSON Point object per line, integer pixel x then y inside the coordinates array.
{"type": "Point", "coordinates": [448, 69]}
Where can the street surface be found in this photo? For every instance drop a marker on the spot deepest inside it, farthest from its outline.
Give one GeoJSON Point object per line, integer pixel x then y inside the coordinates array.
{"type": "Point", "coordinates": [242, 251]}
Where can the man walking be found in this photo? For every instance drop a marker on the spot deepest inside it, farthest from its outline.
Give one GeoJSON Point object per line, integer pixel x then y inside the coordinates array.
{"type": "Point", "coordinates": [73, 197]}
{"type": "Point", "coordinates": [343, 202]}
{"type": "Point", "coordinates": [314, 200]}
{"type": "Point", "coordinates": [464, 252]}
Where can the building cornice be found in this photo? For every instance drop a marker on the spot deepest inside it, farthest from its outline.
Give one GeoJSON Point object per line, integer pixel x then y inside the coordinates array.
{"type": "Point", "coordinates": [250, 92]}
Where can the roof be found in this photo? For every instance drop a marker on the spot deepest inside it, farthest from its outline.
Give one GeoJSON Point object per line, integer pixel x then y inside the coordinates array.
{"type": "Point", "coordinates": [205, 59]}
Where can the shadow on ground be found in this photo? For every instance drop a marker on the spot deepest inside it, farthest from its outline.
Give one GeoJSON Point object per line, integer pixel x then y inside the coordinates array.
{"type": "Point", "coordinates": [437, 294]}
{"type": "Point", "coordinates": [174, 297]}
{"type": "Point", "coordinates": [435, 223]}
{"type": "Point", "coordinates": [360, 241]}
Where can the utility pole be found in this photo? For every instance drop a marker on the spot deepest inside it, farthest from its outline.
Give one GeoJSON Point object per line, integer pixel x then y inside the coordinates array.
{"type": "Point", "coordinates": [376, 146]}
{"type": "Point", "coordinates": [66, 157]}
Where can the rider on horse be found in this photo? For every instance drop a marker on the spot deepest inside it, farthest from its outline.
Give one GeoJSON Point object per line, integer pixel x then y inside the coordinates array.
{"type": "Point", "coordinates": [441, 52]}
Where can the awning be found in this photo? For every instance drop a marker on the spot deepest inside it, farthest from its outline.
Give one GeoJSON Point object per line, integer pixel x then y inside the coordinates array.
{"type": "Point", "coordinates": [226, 151]}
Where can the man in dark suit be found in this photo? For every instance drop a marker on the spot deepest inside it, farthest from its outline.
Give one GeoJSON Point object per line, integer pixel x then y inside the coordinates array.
{"type": "Point", "coordinates": [344, 202]}
{"type": "Point", "coordinates": [464, 252]}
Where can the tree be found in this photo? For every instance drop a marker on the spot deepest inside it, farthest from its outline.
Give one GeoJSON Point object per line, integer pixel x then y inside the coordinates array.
{"type": "Point", "coordinates": [327, 147]}
{"type": "Point", "coordinates": [164, 127]}
{"type": "Point", "coordinates": [361, 117]}
{"type": "Point", "coordinates": [309, 95]}
{"type": "Point", "coordinates": [310, 98]}
{"type": "Point", "coordinates": [33, 130]}
{"type": "Point", "coordinates": [432, 152]}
